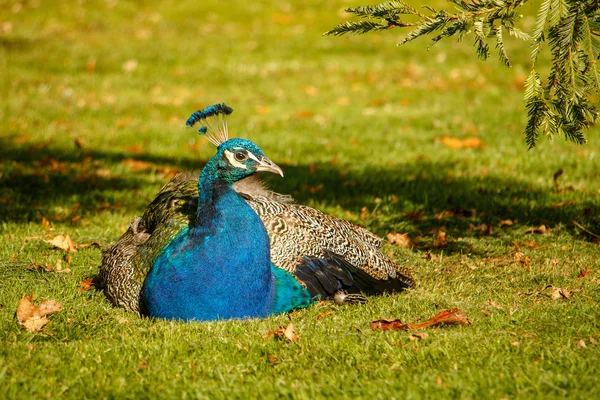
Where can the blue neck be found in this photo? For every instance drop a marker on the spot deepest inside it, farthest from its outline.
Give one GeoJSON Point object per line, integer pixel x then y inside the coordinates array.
{"type": "Point", "coordinates": [220, 267]}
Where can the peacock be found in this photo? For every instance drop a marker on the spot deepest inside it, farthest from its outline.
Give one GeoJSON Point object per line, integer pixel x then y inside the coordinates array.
{"type": "Point", "coordinates": [219, 245]}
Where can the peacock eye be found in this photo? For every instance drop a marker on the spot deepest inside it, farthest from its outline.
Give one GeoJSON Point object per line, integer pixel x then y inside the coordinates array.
{"type": "Point", "coordinates": [240, 156]}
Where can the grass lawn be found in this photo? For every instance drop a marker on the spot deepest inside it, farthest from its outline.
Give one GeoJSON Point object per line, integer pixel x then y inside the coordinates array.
{"type": "Point", "coordinates": [94, 100]}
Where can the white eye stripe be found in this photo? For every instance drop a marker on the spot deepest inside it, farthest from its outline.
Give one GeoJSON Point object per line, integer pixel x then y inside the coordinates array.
{"type": "Point", "coordinates": [252, 156]}
{"type": "Point", "coordinates": [234, 162]}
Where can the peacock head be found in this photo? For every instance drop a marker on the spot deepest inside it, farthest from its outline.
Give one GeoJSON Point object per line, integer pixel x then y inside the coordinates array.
{"type": "Point", "coordinates": [236, 158]}
{"type": "Point", "coordinates": [239, 158]}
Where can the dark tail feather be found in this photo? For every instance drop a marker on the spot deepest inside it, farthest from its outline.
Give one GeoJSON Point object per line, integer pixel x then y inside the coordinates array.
{"type": "Point", "coordinates": [329, 275]}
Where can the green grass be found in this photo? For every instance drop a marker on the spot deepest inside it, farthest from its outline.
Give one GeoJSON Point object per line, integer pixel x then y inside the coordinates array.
{"type": "Point", "coordinates": [359, 116]}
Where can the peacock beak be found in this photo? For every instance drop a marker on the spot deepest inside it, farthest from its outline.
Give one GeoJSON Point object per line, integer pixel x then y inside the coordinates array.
{"type": "Point", "coordinates": [267, 165]}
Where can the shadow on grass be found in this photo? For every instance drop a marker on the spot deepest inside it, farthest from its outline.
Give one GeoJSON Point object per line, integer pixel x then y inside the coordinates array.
{"type": "Point", "coordinates": [38, 180]}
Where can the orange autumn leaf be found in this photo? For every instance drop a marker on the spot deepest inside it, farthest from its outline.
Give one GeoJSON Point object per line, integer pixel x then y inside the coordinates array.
{"type": "Point", "coordinates": [440, 239]}
{"type": "Point", "coordinates": [324, 314]}
{"type": "Point", "coordinates": [401, 239]}
{"type": "Point", "coordinates": [46, 223]}
{"type": "Point", "coordinates": [86, 285]}
{"type": "Point", "coordinates": [63, 242]}
{"type": "Point", "coordinates": [453, 316]}
{"type": "Point", "coordinates": [284, 332]}
{"type": "Point", "coordinates": [540, 230]}
{"type": "Point", "coordinates": [33, 317]}
{"type": "Point", "coordinates": [584, 272]}
{"type": "Point", "coordinates": [456, 143]}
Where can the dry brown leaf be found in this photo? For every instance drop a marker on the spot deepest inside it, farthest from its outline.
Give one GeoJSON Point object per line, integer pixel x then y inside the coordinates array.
{"type": "Point", "coordinates": [58, 267]}
{"type": "Point", "coordinates": [541, 230]}
{"type": "Point", "coordinates": [63, 242]}
{"type": "Point", "coordinates": [484, 229]}
{"type": "Point", "coordinates": [584, 272]}
{"type": "Point", "coordinates": [558, 293]}
{"type": "Point", "coordinates": [401, 239]}
{"type": "Point", "coordinates": [303, 114]}
{"type": "Point", "coordinates": [272, 359]}
{"type": "Point", "coordinates": [79, 143]}
{"type": "Point", "coordinates": [561, 204]}
{"type": "Point", "coordinates": [129, 65]}
{"type": "Point", "coordinates": [505, 222]}
{"type": "Point", "coordinates": [418, 335]}
{"type": "Point", "coordinates": [46, 223]}
{"type": "Point", "coordinates": [324, 314]}
{"type": "Point", "coordinates": [581, 343]}
{"type": "Point", "coordinates": [414, 215]}
{"type": "Point", "coordinates": [493, 304]}
{"type": "Point", "coordinates": [389, 324]}
{"type": "Point", "coordinates": [440, 238]}
{"type": "Point", "coordinates": [453, 316]}
{"type": "Point", "coordinates": [364, 212]}
{"type": "Point", "coordinates": [287, 332]}
{"type": "Point", "coordinates": [137, 165]}
{"type": "Point", "coordinates": [532, 244]}
{"type": "Point", "coordinates": [456, 143]}
{"type": "Point", "coordinates": [86, 285]}
{"type": "Point", "coordinates": [32, 317]}
{"type": "Point", "coordinates": [290, 334]}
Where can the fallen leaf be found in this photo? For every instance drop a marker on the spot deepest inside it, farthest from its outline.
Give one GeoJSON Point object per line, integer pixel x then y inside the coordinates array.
{"type": "Point", "coordinates": [484, 229]}
{"type": "Point", "coordinates": [557, 293]}
{"type": "Point", "coordinates": [440, 238]}
{"type": "Point", "coordinates": [493, 304]}
{"type": "Point", "coordinates": [129, 65]}
{"type": "Point", "coordinates": [486, 312]}
{"type": "Point", "coordinates": [86, 285]}
{"type": "Point", "coordinates": [418, 335]}
{"type": "Point", "coordinates": [272, 359]}
{"type": "Point", "coordinates": [63, 242]}
{"type": "Point", "coordinates": [364, 212]}
{"type": "Point", "coordinates": [413, 215]}
{"type": "Point", "coordinates": [401, 239]}
{"type": "Point", "coordinates": [79, 143]}
{"type": "Point", "coordinates": [581, 343]}
{"type": "Point", "coordinates": [456, 143]}
{"type": "Point", "coordinates": [287, 332]}
{"type": "Point", "coordinates": [58, 267]}
{"type": "Point", "coordinates": [584, 272]}
{"type": "Point", "coordinates": [46, 223]}
{"type": "Point", "coordinates": [453, 316]}
{"type": "Point", "coordinates": [389, 324]}
{"type": "Point", "coordinates": [32, 317]}
{"type": "Point", "coordinates": [290, 334]}
{"type": "Point", "coordinates": [541, 230]}
{"type": "Point", "coordinates": [561, 204]}
{"type": "Point", "coordinates": [532, 244]}
{"type": "Point", "coordinates": [303, 114]}
{"type": "Point", "coordinates": [324, 314]}
{"type": "Point", "coordinates": [505, 222]}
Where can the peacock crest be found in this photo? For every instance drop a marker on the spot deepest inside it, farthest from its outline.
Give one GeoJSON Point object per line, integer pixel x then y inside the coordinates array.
{"type": "Point", "coordinates": [214, 120]}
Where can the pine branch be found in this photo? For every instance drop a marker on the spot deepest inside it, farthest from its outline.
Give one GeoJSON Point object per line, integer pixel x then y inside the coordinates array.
{"type": "Point", "coordinates": [563, 105]}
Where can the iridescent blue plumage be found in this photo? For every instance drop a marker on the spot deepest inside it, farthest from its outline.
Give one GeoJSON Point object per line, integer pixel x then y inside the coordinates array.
{"type": "Point", "coordinates": [219, 267]}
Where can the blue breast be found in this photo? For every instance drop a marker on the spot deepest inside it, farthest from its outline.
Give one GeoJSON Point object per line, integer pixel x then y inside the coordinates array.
{"type": "Point", "coordinates": [219, 269]}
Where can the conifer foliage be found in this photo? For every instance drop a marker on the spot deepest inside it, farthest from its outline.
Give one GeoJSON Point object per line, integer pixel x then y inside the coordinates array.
{"type": "Point", "coordinates": [564, 103]}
